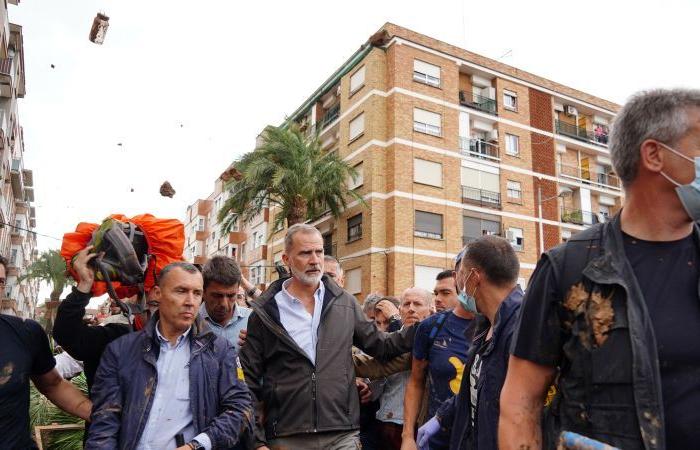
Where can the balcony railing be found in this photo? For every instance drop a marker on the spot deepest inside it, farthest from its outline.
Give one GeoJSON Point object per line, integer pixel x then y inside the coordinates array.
{"type": "Point", "coordinates": [591, 176]}
{"type": "Point", "coordinates": [481, 197]}
{"type": "Point", "coordinates": [6, 66]}
{"type": "Point", "coordinates": [476, 101]}
{"type": "Point", "coordinates": [598, 136]}
{"type": "Point", "coordinates": [328, 118]}
{"type": "Point", "coordinates": [578, 217]}
{"type": "Point", "coordinates": [479, 148]}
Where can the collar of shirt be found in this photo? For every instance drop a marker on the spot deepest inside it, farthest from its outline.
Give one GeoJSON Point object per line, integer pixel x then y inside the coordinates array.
{"type": "Point", "coordinates": [237, 315]}
{"type": "Point", "coordinates": [318, 295]}
{"type": "Point", "coordinates": [179, 340]}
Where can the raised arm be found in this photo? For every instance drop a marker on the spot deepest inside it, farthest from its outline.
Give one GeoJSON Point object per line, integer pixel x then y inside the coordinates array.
{"type": "Point", "coordinates": [379, 344]}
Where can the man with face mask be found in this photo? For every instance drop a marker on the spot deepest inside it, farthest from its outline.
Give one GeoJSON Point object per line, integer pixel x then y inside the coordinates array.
{"type": "Point", "coordinates": [486, 277]}
{"type": "Point", "coordinates": [614, 313]}
{"type": "Point", "coordinates": [297, 357]}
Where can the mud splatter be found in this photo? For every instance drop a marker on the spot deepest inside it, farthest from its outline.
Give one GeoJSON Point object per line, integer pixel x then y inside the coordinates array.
{"type": "Point", "coordinates": [577, 295]}
{"type": "Point", "coordinates": [149, 388]}
{"type": "Point", "coordinates": [601, 315]}
{"type": "Point", "coordinates": [6, 372]}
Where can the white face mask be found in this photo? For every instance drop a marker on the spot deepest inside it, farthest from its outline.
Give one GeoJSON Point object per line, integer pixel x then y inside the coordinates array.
{"type": "Point", "coordinates": [689, 194]}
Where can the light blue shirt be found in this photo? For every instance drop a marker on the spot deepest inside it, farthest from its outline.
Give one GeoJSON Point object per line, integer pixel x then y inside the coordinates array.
{"type": "Point", "coordinates": [301, 326]}
{"type": "Point", "coordinates": [232, 329]}
{"type": "Point", "coordinates": [391, 400]}
{"type": "Point", "coordinates": [170, 412]}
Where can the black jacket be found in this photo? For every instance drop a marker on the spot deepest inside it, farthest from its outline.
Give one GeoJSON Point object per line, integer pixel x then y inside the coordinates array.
{"type": "Point", "coordinates": [455, 413]}
{"type": "Point", "coordinates": [83, 342]}
{"type": "Point", "coordinates": [297, 395]}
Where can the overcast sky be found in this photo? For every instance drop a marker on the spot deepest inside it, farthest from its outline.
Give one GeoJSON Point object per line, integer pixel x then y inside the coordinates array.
{"type": "Point", "coordinates": [224, 69]}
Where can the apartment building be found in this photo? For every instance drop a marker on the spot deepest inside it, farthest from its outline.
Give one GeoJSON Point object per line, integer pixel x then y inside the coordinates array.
{"type": "Point", "coordinates": [17, 215]}
{"type": "Point", "coordinates": [450, 146]}
{"type": "Point", "coordinates": [247, 244]}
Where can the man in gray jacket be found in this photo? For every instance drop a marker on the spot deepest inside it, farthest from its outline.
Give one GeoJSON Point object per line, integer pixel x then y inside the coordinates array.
{"type": "Point", "coordinates": [297, 358]}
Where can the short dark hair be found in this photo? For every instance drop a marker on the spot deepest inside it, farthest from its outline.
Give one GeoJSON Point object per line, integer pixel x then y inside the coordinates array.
{"type": "Point", "coordinates": [3, 263]}
{"type": "Point", "coordinates": [187, 267]}
{"type": "Point", "coordinates": [496, 257]}
{"type": "Point", "coordinates": [222, 270]}
{"type": "Point", "coordinates": [449, 273]}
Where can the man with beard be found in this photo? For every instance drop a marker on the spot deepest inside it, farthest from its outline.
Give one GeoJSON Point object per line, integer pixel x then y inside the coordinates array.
{"type": "Point", "coordinates": [297, 358]}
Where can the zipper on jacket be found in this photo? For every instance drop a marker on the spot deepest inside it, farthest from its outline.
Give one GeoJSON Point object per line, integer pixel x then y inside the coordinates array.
{"type": "Point", "coordinates": [313, 399]}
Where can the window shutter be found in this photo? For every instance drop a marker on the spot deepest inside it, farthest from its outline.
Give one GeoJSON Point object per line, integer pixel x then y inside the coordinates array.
{"type": "Point", "coordinates": [429, 222]}
{"type": "Point", "coordinates": [425, 68]}
{"type": "Point", "coordinates": [357, 79]}
{"type": "Point", "coordinates": [427, 117]}
{"type": "Point", "coordinates": [357, 126]}
{"type": "Point", "coordinates": [424, 276]}
{"type": "Point", "coordinates": [427, 172]}
{"type": "Point", "coordinates": [353, 281]}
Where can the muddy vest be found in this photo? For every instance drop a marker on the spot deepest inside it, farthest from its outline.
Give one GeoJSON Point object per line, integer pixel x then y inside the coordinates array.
{"type": "Point", "coordinates": [609, 386]}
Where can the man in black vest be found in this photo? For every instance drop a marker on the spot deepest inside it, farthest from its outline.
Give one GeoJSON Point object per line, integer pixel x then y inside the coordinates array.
{"type": "Point", "coordinates": [614, 313]}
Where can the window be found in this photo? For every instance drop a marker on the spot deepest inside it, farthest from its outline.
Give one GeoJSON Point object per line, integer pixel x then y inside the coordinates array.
{"type": "Point", "coordinates": [604, 212]}
{"type": "Point", "coordinates": [428, 225]}
{"type": "Point", "coordinates": [200, 224]}
{"type": "Point", "coordinates": [357, 182]}
{"type": "Point", "coordinates": [514, 190]}
{"type": "Point", "coordinates": [255, 239]}
{"type": "Point", "coordinates": [424, 276]}
{"type": "Point", "coordinates": [355, 228]}
{"type": "Point", "coordinates": [213, 236]}
{"type": "Point", "coordinates": [353, 280]}
{"type": "Point", "coordinates": [357, 127]}
{"type": "Point", "coordinates": [479, 179]}
{"type": "Point", "coordinates": [13, 258]}
{"type": "Point", "coordinates": [257, 275]}
{"type": "Point", "coordinates": [512, 145]}
{"type": "Point", "coordinates": [427, 172]}
{"type": "Point", "coordinates": [357, 80]}
{"type": "Point", "coordinates": [426, 73]}
{"type": "Point", "coordinates": [515, 237]}
{"type": "Point", "coordinates": [475, 227]}
{"type": "Point", "coordinates": [510, 100]}
{"type": "Point", "coordinates": [427, 122]}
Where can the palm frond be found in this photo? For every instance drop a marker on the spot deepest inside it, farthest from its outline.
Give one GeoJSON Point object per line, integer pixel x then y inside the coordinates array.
{"type": "Point", "coordinates": [43, 412]}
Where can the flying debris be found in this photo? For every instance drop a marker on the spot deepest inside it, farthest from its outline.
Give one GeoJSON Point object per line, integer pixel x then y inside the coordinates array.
{"type": "Point", "coordinates": [53, 66]}
{"type": "Point", "coordinates": [132, 189]}
{"type": "Point", "coordinates": [181, 125]}
{"type": "Point", "coordinates": [99, 29]}
{"type": "Point", "coordinates": [166, 190]}
{"type": "Point", "coordinates": [119, 144]}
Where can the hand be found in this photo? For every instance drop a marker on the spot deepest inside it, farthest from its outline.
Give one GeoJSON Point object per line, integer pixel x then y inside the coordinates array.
{"type": "Point", "coordinates": [408, 443]}
{"type": "Point", "coordinates": [86, 275]}
{"type": "Point", "coordinates": [427, 431]}
{"type": "Point", "coordinates": [387, 308]}
{"type": "Point", "coordinates": [363, 390]}
{"type": "Point", "coordinates": [242, 336]}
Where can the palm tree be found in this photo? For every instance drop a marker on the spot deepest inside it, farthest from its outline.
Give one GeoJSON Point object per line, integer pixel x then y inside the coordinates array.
{"type": "Point", "coordinates": [50, 268]}
{"type": "Point", "coordinates": [291, 170]}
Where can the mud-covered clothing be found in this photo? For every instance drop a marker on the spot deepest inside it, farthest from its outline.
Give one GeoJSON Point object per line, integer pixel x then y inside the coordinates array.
{"type": "Point", "coordinates": [586, 311]}
{"type": "Point", "coordinates": [25, 353]}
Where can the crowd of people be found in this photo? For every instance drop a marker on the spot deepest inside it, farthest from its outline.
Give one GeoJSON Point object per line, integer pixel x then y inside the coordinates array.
{"type": "Point", "coordinates": [602, 344]}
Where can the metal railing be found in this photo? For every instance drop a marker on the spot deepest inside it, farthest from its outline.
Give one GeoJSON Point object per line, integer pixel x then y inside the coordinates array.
{"type": "Point", "coordinates": [481, 197]}
{"type": "Point", "coordinates": [598, 136]}
{"type": "Point", "coordinates": [578, 216]}
{"type": "Point", "coordinates": [477, 101]}
{"type": "Point", "coordinates": [592, 176]}
{"type": "Point", "coordinates": [479, 148]}
{"type": "Point", "coordinates": [328, 118]}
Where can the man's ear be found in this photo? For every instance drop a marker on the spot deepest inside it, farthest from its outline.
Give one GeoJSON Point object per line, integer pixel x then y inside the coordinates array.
{"type": "Point", "coordinates": [651, 155]}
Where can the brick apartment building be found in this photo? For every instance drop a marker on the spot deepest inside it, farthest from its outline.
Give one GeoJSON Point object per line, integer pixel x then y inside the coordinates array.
{"type": "Point", "coordinates": [449, 145]}
{"type": "Point", "coordinates": [17, 215]}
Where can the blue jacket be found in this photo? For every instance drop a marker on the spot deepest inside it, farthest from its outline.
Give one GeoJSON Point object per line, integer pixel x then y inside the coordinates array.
{"type": "Point", "coordinates": [125, 385]}
{"type": "Point", "coordinates": [455, 414]}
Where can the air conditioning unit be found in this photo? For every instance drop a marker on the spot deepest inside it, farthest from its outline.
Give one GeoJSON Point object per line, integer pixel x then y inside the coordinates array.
{"type": "Point", "coordinates": [492, 135]}
{"type": "Point", "coordinates": [570, 110]}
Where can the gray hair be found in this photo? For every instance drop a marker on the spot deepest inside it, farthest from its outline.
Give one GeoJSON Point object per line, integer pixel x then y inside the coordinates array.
{"type": "Point", "coordinates": [659, 114]}
{"type": "Point", "coordinates": [298, 228]}
{"type": "Point", "coordinates": [330, 259]}
{"type": "Point", "coordinates": [187, 267]}
{"type": "Point", "coordinates": [424, 293]}
{"type": "Point", "coordinates": [370, 302]}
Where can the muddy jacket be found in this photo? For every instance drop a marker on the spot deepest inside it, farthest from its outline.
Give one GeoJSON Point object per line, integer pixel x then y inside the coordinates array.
{"type": "Point", "coordinates": [609, 386]}
{"type": "Point", "coordinates": [126, 381]}
{"type": "Point", "coordinates": [297, 396]}
{"type": "Point", "coordinates": [455, 413]}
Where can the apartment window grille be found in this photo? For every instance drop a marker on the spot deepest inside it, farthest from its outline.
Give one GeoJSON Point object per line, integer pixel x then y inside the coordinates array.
{"type": "Point", "coordinates": [428, 225]}
{"type": "Point", "coordinates": [426, 73]}
{"type": "Point", "coordinates": [355, 227]}
{"type": "Point", "coordinates": [514, 190]}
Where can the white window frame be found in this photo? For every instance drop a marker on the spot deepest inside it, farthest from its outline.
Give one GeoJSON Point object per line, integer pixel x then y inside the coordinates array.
{"type": "Point", "coordinates": [353, 280]}
{"type": "Point", "coordinates": [518, 242]}
{"type": "Point", "coordinates": [514, 190]}
{"type": "Point", "coordinates": [427, 128]}
{"type": "Point", "coordinates": [422, 75]}
{"type": "Point", "coordinates": [356, 85]}
{"type": "Point", "coordinates": [422, 172]}
{"type": "Point", "coordinates": [360, 118]}
{"type": "Point", "coordinates": [512, 139]}
{"type": "Point", "coordinates": [507, 103]}
{"type": "Point", "coordinates": [359, 181]}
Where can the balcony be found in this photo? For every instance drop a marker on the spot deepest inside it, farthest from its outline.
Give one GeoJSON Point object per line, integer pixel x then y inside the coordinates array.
{"type": "Point", "coordinates": [590, 176]}
{"type": "Point", "coordinates": [578, 217]}
{"type": "Point", "coordinates": [236, 237]}
{"type": "Point", "coordinates": [202, 235]}
{"type": "Point", "coordinates": [478, 148]}
{"type": "Point", "coordinates": [328, 118]}
{"type": "Point", "coordinates": [257, 254]}
{"type": "Point", "coordinates": [17, 178]}
{"type": "Point", "coordinates": [481, 197]}
{"type": "Point", "coordinates": [599, 136]}
{"type": "Point", "coordinates": [475, 101]}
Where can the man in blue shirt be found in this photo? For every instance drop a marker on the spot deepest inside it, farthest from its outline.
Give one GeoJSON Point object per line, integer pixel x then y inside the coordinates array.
{"type": "Point", "coordinates": [222, 279]}
{"type": "Point", "coordinates": [173, 382]}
